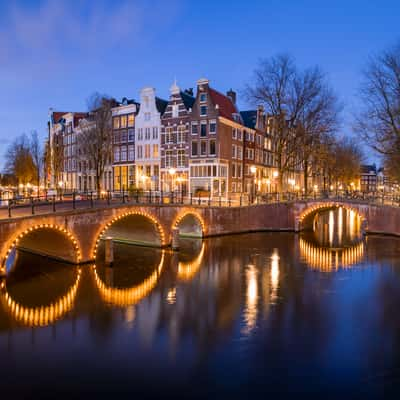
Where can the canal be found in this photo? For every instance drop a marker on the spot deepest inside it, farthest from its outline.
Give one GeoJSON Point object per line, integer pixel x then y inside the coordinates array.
{"type": "Point", "coordinates": [234, 316]}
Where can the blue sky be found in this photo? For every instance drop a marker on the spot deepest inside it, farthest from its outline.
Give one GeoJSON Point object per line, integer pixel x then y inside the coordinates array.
{"type": "Point", "coordinates": [56, 53]}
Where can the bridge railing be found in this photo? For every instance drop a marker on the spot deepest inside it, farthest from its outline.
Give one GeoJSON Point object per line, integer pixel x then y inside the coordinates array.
{"type": "Point", "coordinates": [30, 205]}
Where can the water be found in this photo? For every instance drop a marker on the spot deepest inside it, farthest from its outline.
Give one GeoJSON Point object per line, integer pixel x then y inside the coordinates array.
{"type": "Point", "coordinates": [238, 316]}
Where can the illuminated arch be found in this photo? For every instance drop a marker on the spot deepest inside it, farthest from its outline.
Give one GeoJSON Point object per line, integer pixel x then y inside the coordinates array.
{"type": "Point", "coordinates": [193, 213]}
{"type": "Point", "coordinates": [187, 270]}
{"type": "Point", "coordinates": [150, 217]}
{"type": "Point", "coordinates": [128, 296]}
{"type": "Point", "coordinates": [41, 315]}
{"type": "Point", "coordinates": [61, 229]}
{"type": "Point", "coordinates": [327, 259]}
{"type": "Point", "coordinates": [315, 208]}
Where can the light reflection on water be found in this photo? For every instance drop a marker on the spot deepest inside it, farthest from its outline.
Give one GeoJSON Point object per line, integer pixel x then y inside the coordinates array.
{"type": "Point", "coordinates": [225, 316]}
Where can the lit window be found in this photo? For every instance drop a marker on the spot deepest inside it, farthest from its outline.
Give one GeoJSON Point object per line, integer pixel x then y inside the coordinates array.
{"type": "Point", "coordinates": [181, 158]}
{"type": "Point", "coordinates": [131, 120]}
{"type": "Point", "coordinates": [123, 121]}
{"type": "Point", "coordinates": [116, 123]}
{"type": "Point", "coordinates": [155, 150]}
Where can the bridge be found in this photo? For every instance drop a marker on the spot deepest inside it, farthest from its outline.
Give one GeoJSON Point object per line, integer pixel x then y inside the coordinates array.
{"type": "Point", "coordinates": [74, 234]}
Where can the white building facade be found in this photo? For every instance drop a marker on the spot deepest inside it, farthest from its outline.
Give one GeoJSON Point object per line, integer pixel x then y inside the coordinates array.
{"type": "Point", "coordinates": [148, 139]}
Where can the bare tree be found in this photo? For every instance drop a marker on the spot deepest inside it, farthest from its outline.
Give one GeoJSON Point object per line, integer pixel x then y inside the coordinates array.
{"type": "Point", "coordinates": [95, 137]}
{"type": "Point", "coordinates": [36, 151]}
{"type": "Point", "coordinates": [316, 118]}
{"type": "Point", "coordinates": [303, 107]}
{"type": "Point", "coordinates": [379, 119]}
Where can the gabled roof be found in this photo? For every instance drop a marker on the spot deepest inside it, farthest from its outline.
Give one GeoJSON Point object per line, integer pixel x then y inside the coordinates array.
{"type": "Point", "coordinates": [226, 107]}
{"type": "Point", "coordinates": [366, 169]}
{"type": "Point", "coordinates": [57, 115]}
{"type": "Point", "coordinates": [188, 100]}
{"type": "Point", "coordinates": [161, 105]}
{"type": "Point", "coordinates": [249, 118]}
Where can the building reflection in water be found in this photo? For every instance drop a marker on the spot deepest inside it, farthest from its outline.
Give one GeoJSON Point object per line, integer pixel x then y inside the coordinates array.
{"type": "Point", "coordinates": [250, 311]}
{"type": "Point", "coordinates": [274, 275]}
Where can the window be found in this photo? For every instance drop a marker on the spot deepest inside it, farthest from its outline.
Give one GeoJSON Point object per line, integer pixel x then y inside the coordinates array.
{"type": "Point", "coordinates": [203, 148]}
{"type": "Point", "coordinates": [147, 116]}
{"type": "Point", "coordinates": [239, 134]}
{"type": "Point", "coordinates": [148, 170]}
{"type": "Point", "coordinates": [233, 151]}
{"type": "Point", "coordinates": [139, 152]}
{"type": "Point", "coordinates": [194, 149]}
{"type": "Point", "coordinates": [181, 134]}
{"type": "Point", "coordinates": [169, 136]}
{"type": "Point", "coordinates": [233, 170]}
{"type": "Point", "coordinates": [131, 135]}
{"type": "Point", "coordinates": [212, 148]}
{"type": "Point", "coordinates": [203, 111]}
{"type": "Point", "coordinates": [116, 154]}
{"type": "Point", "coordinates": [181, 158]}
{"type": "Point", "coordinates": [203, 97]}
{"type": "Point", "coordinates": [203, 129]}
{"type": "Point", "coordinates": [123, 153]}
{"type": "Point", "coordinates": [116, 137]}
{"type": "Point", "coordinates": [147, 151]}
{"type": "Point", "coordinates": [239, 170]}
{"type": "Point", "coordinates": [155, 150]}
{"type": "Point", "coordinates": [123, 121]}
{"type": "Point", "coordinates": [233, 133]}
{"type": "Point", "coordinates": [140, 134]}
{"type": "Point", "coordinates": [155, 132]}
{"type": "Point", "coordinates": [175, 111]}
{"type": "Point", "coordinates": [116, 122]}
{"type": "Point", "coordinates": [131, 152]}
{"type": "Point", "coordinates": [239, 153]}
{"type": "Point", "coordinates": [124, 136]}
{"type": "Point", "coordinates": [147, 134]}
{"type": "Point", "coordinates": [213, 127]}
{"type": "Point", "coordinates": [194, 128]}
{"type": "Point", "coordinates": [169, 162]}
{"type": "Point", "coordinates": [131, 120]}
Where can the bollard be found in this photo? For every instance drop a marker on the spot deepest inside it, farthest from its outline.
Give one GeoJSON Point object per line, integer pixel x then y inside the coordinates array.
{"type": "Point", "coordinates": [109, 250]}
{"type": "Point", "coordinates": [175, 238]}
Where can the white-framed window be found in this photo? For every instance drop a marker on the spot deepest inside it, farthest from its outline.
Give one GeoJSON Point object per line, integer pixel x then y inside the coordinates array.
{"type": "Point", "coordinates": [203, 148]}
{"type": "Point", "coordinates": [213, 148]}
{"type": "Point", "coordinates": [203, 128]}
{"type": "Point", "coordinates": [123, 153]}
{"type": "Point", "coordinates": [131, 152]}
{"type": "Point", "coordinates": [131, 135]}
{"type": "Point", "coordinates": [181, 158]}
{"type": "Point", "coordinates": [169, 134]}
{"type": "Point", "coordinates": [140, 134]}
{"type": "Point", "coordinates": [147, 134]}
{"type": "Point", "coordinates": [155, 132]}
{"type": "Point", "coordinates": [181, 134]}
{"type": "Point", "coordinates": [239, 135]}
{"type": "Point", "coordinates": [239, 153]}
{"type": "Point", "coordinates": [203, 111]}
{"type": "Point", "coordinates": [146, 151]}
{"type": "Point", "coordinates": [169, 159]}
{"type": "Point", "coordinates": [233, 151]}
{"type": "Point", "coordinates": [155, 150]}
{"type": "Point", "coordinates": [234, 133]}
{"type": "Point", "coordinates": [203, 97]}
{"type": "Point", "coordinates": [116, 154]}
{"type": "Point", "coordinates": [195, 129]}
{"type": "Point", "coordinates": [139, 152]}
{"type": "Point", "coordinates": [213, 126]}
{"type": "Point", "coordinates": [195, 149]}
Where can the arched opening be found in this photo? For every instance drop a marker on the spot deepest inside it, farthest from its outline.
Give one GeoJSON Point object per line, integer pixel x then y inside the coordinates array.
{"type": "Point", "coordinates": [191, 255]}
{"type": "Point", "coordinates": [333, 225]}
{"type": "Point", "coordinates": [134, 274]}
{"type": "Point", "coordinates": [190, 225]}
{"type": "Point", "coordinates": [49, 241]}
{"type": "Point", "coordinates": [134, 229]}
{"type": "Point", "coordinates": [38, 290]}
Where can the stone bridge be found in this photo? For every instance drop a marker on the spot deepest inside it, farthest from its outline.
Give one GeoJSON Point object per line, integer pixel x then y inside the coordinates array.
{"type": "Point", "coordinates": [74, 235]}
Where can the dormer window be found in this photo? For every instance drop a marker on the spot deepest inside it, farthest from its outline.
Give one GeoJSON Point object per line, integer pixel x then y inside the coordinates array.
{"type": "Point", "coordinates": [203, 111]}
{"type": "Point", "coordinates": [203, 97]}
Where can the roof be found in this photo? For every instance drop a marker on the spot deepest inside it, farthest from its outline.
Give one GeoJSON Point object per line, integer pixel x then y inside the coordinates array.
{"type": "Point", "coordinates": [161, 105]}
{"type": "Point", "coordinates": [188, 100]}
{"type": "Point", "coordinates": [58, 115]}
{"type": "Point", "coordinates": [367, 169]}
{"type": "Point", "coordinates": [226, 107]}
{"type": "Point", "coordinates": [249, 118]}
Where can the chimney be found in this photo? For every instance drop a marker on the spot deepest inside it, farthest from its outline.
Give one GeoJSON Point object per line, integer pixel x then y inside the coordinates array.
{"type": "Point", "coordinates": [260, 121]}
{"type": "Point", "coordinates": [232, 95]}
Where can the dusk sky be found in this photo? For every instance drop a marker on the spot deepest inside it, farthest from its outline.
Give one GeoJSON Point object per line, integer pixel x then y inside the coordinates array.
{"type": "Point", "coordinates": [56, 53]}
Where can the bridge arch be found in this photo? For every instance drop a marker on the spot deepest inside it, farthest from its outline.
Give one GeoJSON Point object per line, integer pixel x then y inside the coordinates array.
{"type": "Point", "coordinates": [25, 237]}
{"type": "Point", "coordinates": [190, 223]}
{"type": "Point", "coordinates": [128, 296]}
{"type": "Point", "coordinates": [306, 217]}
{"type": "Point", "coordinates": [114, 221]}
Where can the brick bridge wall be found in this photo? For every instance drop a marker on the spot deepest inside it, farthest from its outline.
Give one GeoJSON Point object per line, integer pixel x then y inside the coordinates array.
{"type": "Point", "coordinates": [85, 226]}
